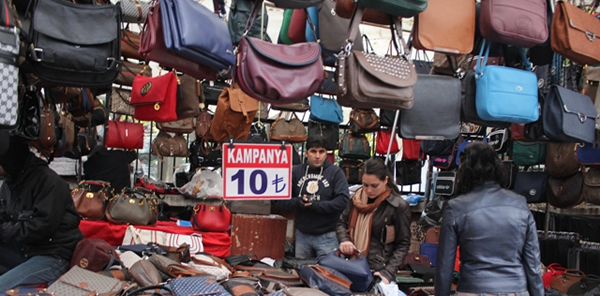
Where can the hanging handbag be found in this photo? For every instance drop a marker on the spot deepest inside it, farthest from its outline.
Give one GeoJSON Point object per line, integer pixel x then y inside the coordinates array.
{"type": "Point", "coordinates": [514, 22]}
{"type": "Point", "coordinates": [574, 34]}
{"type": "Point", "coordinates": [563, 282]}
{"type": "Point", "coordinates": [133, 206]}
{"type": "Point", "coordinates": [181, 126]}
{"type": "Point", "coordinates": [529, 153]}
{"type": "Point", "coordinates": [352, 170]}
{"type": "Point", "coordinates": [331, 132]}
{"type": "Point", "coordinates": [188, 96]}
{"type": "Point", "coordinates": [233, 116]}
{"type": "Point", "coordinates": [155, 98]}
{"type": "Point", "coordinates": [299, 106]}
{"type": "Point", "coordinates": [591, 186]}
{"type": "Point", "coordinates": [90, 198]}
{"type": "Point", "coordinates": [49, 131]}
{"type": "Point", "coordinates": [382, 141]}
{"type": "Point", "coordinates": [411, 149]}
{"type": "Point", "coordinates": [297, 28]}
{"type": "Point", "coordinates": [203, 123]}
{"type": "Point", "coordinates": [134, 11]}
{"type": "Point", "coordinates": [445, 184]}
{"type": "Point", "coordinates": [204, 154]}
{"type": "Point", "coordinates": [468, 111]}
{"type": "Point", "coordinates": [167, 145]}
{"type": "Point", "coordinates": [531, 185]}
{"type": "Point", "coordinates": [124, 135]}
{"type": "Point", "coordinates": [503, 93]}
{"type": "Point", "coordinates": [592, 81]}
{"type": "Point", "coordinates": [333, 28]}
{"type": "Point", "coordinates": [345, 9]}
{"type": "Point", "coordinates": [354, 267]}
{"type": "Point", "coordinates": [211, 217]}
{"type": "Point", "coordinates": [561, 159]}
{"type": "Point", "coordinates": [362, 85]}
{"type": "Point", "coordinates": [212, 90]}
{"type": "Point", "coordinates": [441, 34]}
{"type": "Point", "coordinates": [152, 48]}
{"type": "Point", "coordinates": [363, 121]}
{"type": "Point", "coordinates": [354, 146]}
{"type": "Point", "coordinates": [499, 139]}
{"type": "Point", "coordinates": [81, 282]}
{"type": "Point", "coordinates": [565, 192]}
{"type": "Point", "coordinates": [588, 154]}
{"type": "Point", "coordinates": [130, 44]}
{"type": "Point", "coordinates": [79, 48]}
{"type": "Point", "coordinates": [238, 15]}
{"type": "Point", "coordinates": [129, 70]}
{"type": "Point", "coordinates": [9, 95]}
{"type": "Point", "coordinates": [258, 133]}
{"type": "Point", "coordinates": [292, 130]}
{"type": "Point", "coordinates": [404, 8]}
{"type": "Point", "coordinates": [408, 172]}
{"type": "Point", "coordinates": [387, 117]}
{"type": "Point", "coordinates": [569, 116]}
{"type": "Point", "coordinates": [446, 123]}
{"type": "Point", "coordinates": [119, 101]}
{"type": "Point", "coordinates": [325, 109]}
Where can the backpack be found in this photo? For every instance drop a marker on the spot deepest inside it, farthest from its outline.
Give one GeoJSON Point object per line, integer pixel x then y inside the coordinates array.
{"type": "Point", "coordinates": [233, 116]}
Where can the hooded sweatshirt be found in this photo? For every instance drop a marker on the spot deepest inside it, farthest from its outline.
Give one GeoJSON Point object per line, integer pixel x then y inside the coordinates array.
{"type": "Point", "coordinates": [329, 188]}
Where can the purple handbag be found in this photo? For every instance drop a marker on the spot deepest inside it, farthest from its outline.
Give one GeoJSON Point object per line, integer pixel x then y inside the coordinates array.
{"type": "Point", "coordinates": [514, 22]}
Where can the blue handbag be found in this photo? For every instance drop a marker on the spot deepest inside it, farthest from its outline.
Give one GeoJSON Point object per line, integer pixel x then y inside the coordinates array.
{"type": "Point", "coordinates": [311, 32]}
{"type": "Point", "coordinates": [505, 94]}
{"type": "Point", "coordinates": [325, 109]}
{"type": "Point", "coordinates": [588, 154]}
{"type": "Point", "coordinates": [355, 268]}
{"type": "Point", "coordinates": [185, 24]}
{"type": "Point", "coordinates": [569, 116]}
{"type": "Point", "coordinates": [197, 285]}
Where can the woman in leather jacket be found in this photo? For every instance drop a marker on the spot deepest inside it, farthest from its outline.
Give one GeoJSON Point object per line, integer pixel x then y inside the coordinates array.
{"type": "Point", "coordinates": [499, 250]}
{"type": "Point", "coordinates": [377, 222]}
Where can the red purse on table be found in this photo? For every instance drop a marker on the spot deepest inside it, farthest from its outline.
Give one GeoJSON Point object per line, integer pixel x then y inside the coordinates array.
{"type": "Point", "coordinates": [155, 98]}
{"type": "Point", "coordinates": [211, 215]}
{"type": "Point", "coordinates": [124, 135]}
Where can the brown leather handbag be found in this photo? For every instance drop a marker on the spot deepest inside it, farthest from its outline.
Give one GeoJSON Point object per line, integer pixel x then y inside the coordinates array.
{"type": "Point", "coordinates": [188, 103]}
{"type": "Point", "coordinates": [574, 34]}
{"type": "Point", "coordinates": [130, 45]}
{"type": "Point", "coordinates": [145, 273]}
{"type": "Point", "coordinates": [47, 133]}
{"type": "Point", "coordinates": [451, 35]}
{"type": "Point", "coordinates": [203, 123]}
{"type": "Point", "coordinates": [565, 192]}
{"type": "Point", "coordinates": [563, 282]}
{"type": "Point", "coordinates": [432, 235]}
{"type": "Point", "coordinates": [167, 145]}
{"type": "Point", "coordinates": [300, 106]}
{"type": "Point", "coordinates": [233, 116]}
{"type": "Point", "coordinates": [561, 159]}
{"type": "Point", "coordinates": [129, 70]}
{"type": "Point", "coordinates": [363, 121]}
{"type": "Point", "coordinates": [291, 130]}
{"type": "Point", "coordinates": [181, 126]}
{"type": "Point", "coordinates": [591, 186]}
{"type": "Point", "coordinates": [90, 198]}
{"type": "Point", "coordinates": [119, 101]}
{"type": "Point", "coordinates": [514, 22]}
{"type": "Point", "coordinates": [345, 8]}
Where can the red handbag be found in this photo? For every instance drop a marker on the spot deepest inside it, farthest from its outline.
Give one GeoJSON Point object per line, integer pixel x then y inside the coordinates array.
{"type": "Point", "coordinates": [211, 216]}
{"type": "Point", "coordinates": [296, 32]}
{"type": "Point", "coordinates": [411, 149]}
{"type": "Point", "coordinates": [155, 98]}
{"type": "Point", "coordinates": [553, 270]}
{"type": "Point", "coordinates": [124, 135]}
{"type": "Point", "coordinates": [383, 140]}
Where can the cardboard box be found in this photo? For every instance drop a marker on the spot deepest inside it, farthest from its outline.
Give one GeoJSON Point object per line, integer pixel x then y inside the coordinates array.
{"type": "Point", "coordinates": [263, 235]}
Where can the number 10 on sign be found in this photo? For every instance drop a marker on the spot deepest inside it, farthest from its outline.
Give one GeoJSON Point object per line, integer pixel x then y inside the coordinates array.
{"type": "Point", "coordinates": [256, 171]}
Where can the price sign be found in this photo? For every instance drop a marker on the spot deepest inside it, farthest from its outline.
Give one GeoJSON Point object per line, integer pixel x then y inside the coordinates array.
{"type": "Point", "coordinates": [257, 171]}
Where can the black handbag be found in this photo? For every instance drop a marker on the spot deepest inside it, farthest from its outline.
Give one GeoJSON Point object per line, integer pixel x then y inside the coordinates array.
{"type": "Point", "coordinates": [445, 183]}
{"type": "Point", "coordinates": [353, 170]}
{"type": "Point", "coordinates": [80, 46]}
{"type": "Point", "coordinates": [499, 138]}
{"type": "Point", "coordinates": [331, 132]}
{"type": "Point", "coordinates": [408, 172]}
{"type": "Point", "coordinates": [386, 117]}
{"type": "Point", "coordinates": [531, 185]}
{"type": "Point", "coordinates": [565, 192]}
{"type": "Point", "coordinates": [212, 90]}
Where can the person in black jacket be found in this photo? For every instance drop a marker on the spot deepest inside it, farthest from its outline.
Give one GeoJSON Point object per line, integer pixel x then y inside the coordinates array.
{"type": "Point", "coordinates": [111, 166]}
{"type": "Point", "coordinates": [319, 195]}
{"type": "Point", "coordinates": [39, 222]}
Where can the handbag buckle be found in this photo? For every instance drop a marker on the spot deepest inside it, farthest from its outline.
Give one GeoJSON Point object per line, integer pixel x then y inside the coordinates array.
{"type": "Point", "coordinates": [590, 36]}
{"type": "Point", "coordinates": [37, 54]}
{"type": "Point", "coordinates": [111, 63]}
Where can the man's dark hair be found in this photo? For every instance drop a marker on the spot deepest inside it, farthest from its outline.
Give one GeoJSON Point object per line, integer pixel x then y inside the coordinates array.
{"type": "Point", "coordinates": [318, 141]}
{"type": "Point", "coordinates": [479, 163]}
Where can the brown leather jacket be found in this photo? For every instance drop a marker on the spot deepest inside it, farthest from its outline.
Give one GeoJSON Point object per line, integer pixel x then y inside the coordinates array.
{"type": "Point", "coordinates": [382, 257]}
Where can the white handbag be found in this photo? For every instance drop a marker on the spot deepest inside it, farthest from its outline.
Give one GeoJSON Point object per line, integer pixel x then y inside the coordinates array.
{"type": "Point", "coordinates": [211, 265]}
{"type": "Point", "coordinates": [143, 236]}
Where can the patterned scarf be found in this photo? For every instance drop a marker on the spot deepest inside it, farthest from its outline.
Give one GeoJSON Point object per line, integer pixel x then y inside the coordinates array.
{"type": "Point", "coordinates": [361, 218]}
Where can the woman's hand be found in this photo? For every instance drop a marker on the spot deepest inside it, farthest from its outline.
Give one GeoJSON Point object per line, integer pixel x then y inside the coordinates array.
{"type": "Point", "coordinates": [347, 247]}
{"type": "Point", "coordinates": [383, 279]}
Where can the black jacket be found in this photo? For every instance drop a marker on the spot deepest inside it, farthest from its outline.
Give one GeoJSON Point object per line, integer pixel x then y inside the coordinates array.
{"type": "Point", "coordinates": [498, 241]}
{"type": "Point", "coordinates": [385, 258]}
{"type": "Point", "coordinates": [331, 197]}
{"type": "Point", "coordinates": [38, 212]}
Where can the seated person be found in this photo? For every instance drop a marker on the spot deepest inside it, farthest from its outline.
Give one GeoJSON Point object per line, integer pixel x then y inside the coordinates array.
{"type": "Point", "coordinates": [40, 225]}
{"type": "Point", "coordinates": [110, 166]}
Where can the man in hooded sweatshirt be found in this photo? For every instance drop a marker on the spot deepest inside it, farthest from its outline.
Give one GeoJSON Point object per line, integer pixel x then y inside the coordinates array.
{"type": "Point", "coordinates": [39, 225]}
{"type": "Point", "coordinates": [319, 196]}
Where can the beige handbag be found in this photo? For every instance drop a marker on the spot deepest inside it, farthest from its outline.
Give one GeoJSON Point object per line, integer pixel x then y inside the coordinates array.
{"type": "Point", "coordinates": [119, 101]}
{"type": "Point", "coordinates": [291, 130]}
{"type": "Point", "coordinates": [80, 282]}
{"type": "Point", "coordinates": [133, 206]}
{"type": "Point", "coordinates": [211, 265]}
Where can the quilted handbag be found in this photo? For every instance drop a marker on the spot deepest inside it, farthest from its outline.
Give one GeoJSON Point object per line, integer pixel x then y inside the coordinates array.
{"type": "Point", "coordinates": [355, 268]}
{"type": "Point", "coordinates": [90, 198]}
{"type": "Point", "coordinates": [531, 185]}
{"type": "Point", "coordinates": [279, 73]}
{"type": "Point", "coordinates": [82, 47]}
{"type": "Point", "coordinates": [569, 116]}
{"type": "Point", "coordinates": [382, 142]}
{"type": "Point", "coordinates": [591, 186]}
{"type": "Point", "coordinates": [574, 34]}
{"type": "Point", "coordinates": [10, 73]}
{"type": "Point", "coordinates": [119, 101]}
{"type": "Point", "coordinates": [403, 8]}
{"type": "Point", "coordinates": [124, 135]}
{"type": "Point", "coordinates": [291, 130]}
{"type": "Point", "coordinates": [451, 35]}
{"type": "Point", "coordinates": [80, 282]}
{"type": "Point", "coordinates": [361, 83]}
{"type": "Point", "coordinates": [565, 192]}
{"type": "Point", "coordinates": [514, 22]}
{"type": "Point", "coordinates": [134, 11]}
{"type": "Point", "coordinates": [325, 109]}
{"type": "Point", "coordinates": [325, 279]}
{"type": "Point", "coordinates": [331, 132]}
{"type": "Point", "coordinates": [503, 93]}
{"type": "Point", "coordinates": [211, 217]}
{"type": "Point", "coordinates": [197, 285]}
{"type": "Point", "coordinates": [132, 206]}
{"type": "Point", "coordinates": [155, 98]}
{"type": "Point", "coordinates": [354, 146]}
{"type": "Point", "coordinates": [352, 170]}
{"type": "Point", "coordinates": [181, 20]}
{"type": "Point", "coordinates": [529, 153]}
{"type": "Point", "coordinates": [446, 123]}
{"type": "Point", "coordinates": [561, 159]}
{"type": "Point", "coordinates": [588, 154]}
{"type": "Point", "coordinates": [152, 48]}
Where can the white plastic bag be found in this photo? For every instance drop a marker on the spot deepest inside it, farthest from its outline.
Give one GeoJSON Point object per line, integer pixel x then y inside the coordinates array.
{"type": "Point", "coordinates": [204, 183]}
{"type": "Point", "coordinates": [390, 289]}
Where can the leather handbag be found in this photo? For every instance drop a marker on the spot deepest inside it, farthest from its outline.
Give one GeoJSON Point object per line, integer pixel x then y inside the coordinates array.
{"type": "Point", "coordinates": [333, 28]}
{"type": "Point", "coordinates": [585, 284]}
{"type": "Point", "coordinates": [569, 116]}
{"type": "Point", "coordinates": [325, 109]}
{"type": "Point", "coordinates": [514, 22]}
{"type": "Point", "coordinates": [181, 20]}
{"type": "Point", "coordinates": [95, 27]}
{"type": "Point", "coordinates": [345, 9]}
{"type": "Point", "coordinates": [285, 27]}
{"type": "Point", "coordinates": [119, 101]}
{"type": "Point", "coordinates": [443, 34]}
{"type": "Point", "coordinates": [203, 154]}
{"type": "Point", "coordinates": [124, 135]}
{"type": "Point", "coordinates": [446, 123]}
{"type": "Point", "coordinates": [292, 130]}
{"type": "Point", "coordinates": [408, 172]}
{"type": "Point", "coordinates": [204, 121]}
{"type": "Point", "coordinates": [561, 159]}
{"type": "Point", "coordinates": [152, 48]}
{"type": "Point", "coordinates": [181, 126]}
{"type": "Point", "coordinates": [354, 146]}
{"type": "Point", "coordinates": [155, 98]}
{"type": "Point", "coordinates": [174, 269]}
{"type": "Point", "coordinates": [352, 170]}
{"type": "Point", "coordinates": [211, 217]}
{"type": "Point", "coordinates": [413, 259]}
{"type": "Point", "coordinates": [167, 145]}
{"type": "Point", "coordinates": [90, 198]}
{"type": "Point", "coordinates": [297, 28]}
{"type": "Point", "coordinates": [382, 142]}
{"type": "Point", "coordinates": [233, 116]}
{"type": "Point", "coordinates": [188, 97]}
{"type": "Point", "coordinates": [354, 267]}
{"type": "Point", "coordinates": [405, 8]}
{"type": "Point", "coordinates": [325, 279]}
{"type": "Point", "coordinates": [529, 153]}
{"type": "Point", "coordinates": [299, 106]}
{"type": "Point", "coordinates": [130, 44]}
{"type": "Point", "coordinates": [331, 132]}
{"type": "Point", "coordinates": [531, 185]}
{"type": "Point", "coordinates": [387, 117]}
{"type": "Point", "coordinates": [145, 273]}
{"type": "Point", "coordinates": [565, 192]}
{"type": "Point", "coordinates": [591, 186]}
{"type": "Point", "coordinates": [552, 271]}
{"type": "Point", "coordinates": [129, 70]}
{"type": "Point", "coordinates": [592, 81]}
{"type": "Point", "coordinates": [503, 93]}
{"type": "Point", "coordinates": [133, 206]}
{"type": "Point", "coordinates": [569, 277]}
{"type": "Point", "coordinates": [134, 11]}
{"type": "Point", "coordinates": [363, 121]}
{"type": "Point", "coordinates": [588, 154]}
{"type": "Point", "coordinates": [212, 90]}
{"type": "Point", "coordinates": [391, 88]}
{"type": "Point", "coordinates": [574, 34]}
{"type": "Point", "coordinates": [49, 129]}
{"type": "Point", "coordinates": [81, 282]}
